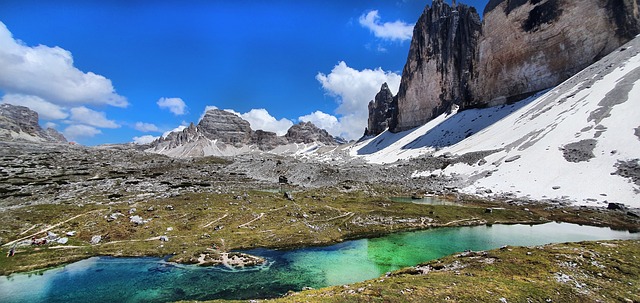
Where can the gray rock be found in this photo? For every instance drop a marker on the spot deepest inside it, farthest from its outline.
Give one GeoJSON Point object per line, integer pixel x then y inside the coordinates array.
{"type": "Point", "coordinates": [307, 132]}
{"type": "Point", "coordinates": [381, 112]}
{"type": "Point", "coordinates": [616, 206]}
{"type": "Point", "coordinates": [579, 151]}
{"type": "Point", "coordinates": [95, 239]}
{"type": "Point", "coordinates": [22, 120]}
{"type": "Point", "coordinates": [137, 220]}
{"type": "Point", "coordinates": [164, 238]}
{"type": "Point", "coordinates": [63, 240]}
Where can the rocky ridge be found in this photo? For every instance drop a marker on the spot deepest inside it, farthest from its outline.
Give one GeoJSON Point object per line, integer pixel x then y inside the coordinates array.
{"type": "Point", "coordinates": [222, 133]}
{"type": "Point", "coordinates": [19, 123]}
{"type": "Point", "coordinates": [456, 59]}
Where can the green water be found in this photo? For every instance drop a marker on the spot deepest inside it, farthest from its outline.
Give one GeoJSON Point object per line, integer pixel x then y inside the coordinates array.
{"type": "Point", "coordinates": [425, 200]}
{"type": "Point", "coordinates": [106, 279]}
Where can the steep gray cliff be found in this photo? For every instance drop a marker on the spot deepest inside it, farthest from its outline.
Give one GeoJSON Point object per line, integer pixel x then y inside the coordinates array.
{"type": "Point", "coordinates": [521, 47]}
{"type": "Point", "coordinates": [528, 46]}
{"type": "Point", "coordinates": [441, 62]}
{"type": "Point", "coordinates": [382, 111]}
{"type": "Point", "coordinates": [19, 123]}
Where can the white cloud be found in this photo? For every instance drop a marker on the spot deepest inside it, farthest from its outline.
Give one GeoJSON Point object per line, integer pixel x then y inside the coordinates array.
{"type": "Point", "coordinates": [91, 117]}
{"type": "Point", "coordinates": [175, 105]}
{"type": "Point", "coordinates": [261, 119]}
{"type": "Point", "coordinates": [74, 132]}
{"type": "Point", "coordinates": [353, 90]}
{"type": "Point", "coordinates": [46, 110]}
{"type": "Point", "coordinates": [48, 72]}
{"type": "Point", "coordinates": [397, 30]}
{"type": "Point", "coordinates": [144, 139]}
{"type": "Point", "coordinates": [146, 127]}
{"type": "Point", "coordinates": [50, 125]}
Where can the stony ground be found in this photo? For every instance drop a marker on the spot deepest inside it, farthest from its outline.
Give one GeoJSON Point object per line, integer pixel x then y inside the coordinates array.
{"type": "Point", "coordinates": [61, 203]}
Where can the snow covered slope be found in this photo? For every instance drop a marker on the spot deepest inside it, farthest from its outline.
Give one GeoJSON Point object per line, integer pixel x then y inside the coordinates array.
{"type": "Point", "coordinates": [579, 141]}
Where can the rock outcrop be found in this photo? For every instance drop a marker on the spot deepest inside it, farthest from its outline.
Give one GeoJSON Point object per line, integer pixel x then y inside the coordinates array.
{"type": "Point", "coordinates": [19, 123]}
{"type": "Point", "coordinates": [307, 132]}
{"type": "Point", "coordinates": [382, 109]}
{"type": "Point", "coordinates": [521, 47]}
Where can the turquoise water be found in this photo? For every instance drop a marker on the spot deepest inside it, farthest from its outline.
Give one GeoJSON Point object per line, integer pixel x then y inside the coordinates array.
{"type": "Point", "coordinates": [107, 279]}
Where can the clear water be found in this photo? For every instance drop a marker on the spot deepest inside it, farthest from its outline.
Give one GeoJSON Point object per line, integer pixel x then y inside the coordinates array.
{"type": "Point", "coordinates": [425, 200]}
{"type": "Point", "coordinates": [107, 279]}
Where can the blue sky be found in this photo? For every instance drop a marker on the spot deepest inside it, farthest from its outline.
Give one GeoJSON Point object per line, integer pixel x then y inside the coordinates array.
{"type": "Point", "coordinates": [119, 71]}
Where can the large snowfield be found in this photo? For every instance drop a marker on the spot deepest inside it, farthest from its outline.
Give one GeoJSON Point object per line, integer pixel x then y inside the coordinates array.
{"type": "Point", "coordinates": [578, 142]}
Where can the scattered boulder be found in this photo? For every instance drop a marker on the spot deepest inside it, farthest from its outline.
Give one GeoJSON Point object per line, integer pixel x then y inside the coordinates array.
{"type": "Point", "coordinates": [288, 196]}
{"type": "Point", "coordinates": [164, 238]}
{"type": "Point", "coordinates": [95, 239]}
{"type": "Point", "coordinates": [616, 206]}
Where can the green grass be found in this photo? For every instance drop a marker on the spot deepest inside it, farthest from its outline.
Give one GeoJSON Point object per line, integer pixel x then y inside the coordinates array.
{"type": "Point", "coordinates": [255, 219]}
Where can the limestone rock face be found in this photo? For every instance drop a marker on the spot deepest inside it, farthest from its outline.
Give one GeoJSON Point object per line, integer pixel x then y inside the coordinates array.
{"type": "Point", "coordinates": [382, 110]}
{"type": "Point", "coordinates": [226, 127]}
{"type": "Point", "coordinates": [266, 140]}
{"type": "Point", "coordinates": [307, 132]}
{"type": "Point", "coordinates": [19, 123]}
{"type": "Point", "coordinates": [521, 47]}
{"type": "Point", "coordinates": [441, 62]}
{"type": "Point", "coordinates": [528, 46]}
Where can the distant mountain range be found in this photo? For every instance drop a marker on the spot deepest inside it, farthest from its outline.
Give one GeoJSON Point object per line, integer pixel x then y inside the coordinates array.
{"type": "Point", "coordinates": [221, 133]}
{"type": "Point", "coordinates": [19, 123]}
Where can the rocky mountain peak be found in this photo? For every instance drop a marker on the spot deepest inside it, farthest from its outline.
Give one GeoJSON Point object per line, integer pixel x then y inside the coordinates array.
{"type": "Point", "coordinates": [381, 111]}
{"type": "Point", "coordinates": [19, 123]}
{"type": "Point", "coordinates": [307, 132]}
{"type": "Point", "coordinates": [225, 126]}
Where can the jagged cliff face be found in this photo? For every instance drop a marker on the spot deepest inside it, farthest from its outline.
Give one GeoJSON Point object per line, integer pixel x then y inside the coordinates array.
{"type": "Point", "coordinates": [528, 46]}
{"type": "Point", "coordinates": [382, 110]}
{"type": "Point", "coordinates": [440, 63]}
{"type": "Point", "coordinates": [521, 47]}
{"type": "Point", "coordinates": [19, 123]}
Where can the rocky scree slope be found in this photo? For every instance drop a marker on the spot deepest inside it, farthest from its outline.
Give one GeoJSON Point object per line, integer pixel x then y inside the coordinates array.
{"type": "Point", "coordinates": [19, 123]}
{"type": "Point", "coordinates": [221, 133]}
{"type": "Point", "coordinates": [520, 47]}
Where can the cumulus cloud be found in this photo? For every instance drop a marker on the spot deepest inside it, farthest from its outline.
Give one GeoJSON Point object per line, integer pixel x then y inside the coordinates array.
{"type": "Point", "coordinates": [46, 110]}
{"type": "Point", "coordinates": [174, 105]}
{"type": "Point", "coordinates": [50, 125]}
{"type": "Point", "coordinates": [48, 72]}
{"type": "Point", "coordinates": [146, 127]}
{"type": "Point", "coordinates": [261, 119]}
{"type": "Point", "coordinates": [397, 30]}
{"type": "Point", "coordinates": [144, 139]}
{"type": "Point", "coordinates": [353, 89]}
{"type": "Point", "coordinates": [78, 131]}
{"type": "Point", "coordinates": [91, 117]}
